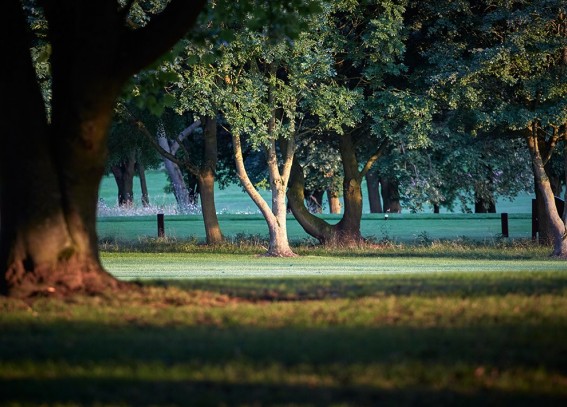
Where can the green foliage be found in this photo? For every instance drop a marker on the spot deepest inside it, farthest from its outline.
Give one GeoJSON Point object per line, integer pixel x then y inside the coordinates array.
{"type": "Point", "coordinates": [504, 63]}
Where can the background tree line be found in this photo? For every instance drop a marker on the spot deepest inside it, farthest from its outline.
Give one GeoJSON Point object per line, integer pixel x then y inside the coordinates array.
{"type": "Point", "coordinates": [394, 92]}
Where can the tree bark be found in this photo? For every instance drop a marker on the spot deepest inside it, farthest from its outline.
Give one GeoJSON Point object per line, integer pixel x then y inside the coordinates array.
{"type": "Point", "coordinates": [48, 241]}
{"type": "Point", "coordinates": [180, 190]}
{"type": "Point", "coordinates": [348, 228]}
{"type": "Point", "coordinates": [564, 216]}
{"type": "Point", "coordinates": [390, 195]}
{"type": "Point", "coordinates": [206, 181]}
{"type": "Point", "coordinates": [276, 216]}
{"type": "Point", "coordinates": [334, 202]}
{"type": "Point", "coordinates": [140, 168]}
{"type": "Point", "coordinates": [551, 215]}
{"type": "Point", "coordinates": [313, 225]}
{"type": "Point", "coordinates": [124, 177]}
{"type": "Point", "coordinates": [347, 231]}
{"type": "Point", "coordinates": [373, 187]}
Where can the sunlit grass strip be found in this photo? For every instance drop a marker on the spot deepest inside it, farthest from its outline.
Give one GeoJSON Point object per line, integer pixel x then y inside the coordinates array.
{"type": "Point", "coordinates": [129, 266]}
{"type": "Point", "coordinates": [458, 377]}
{"type": "Point", "coordinates": [183, 310]}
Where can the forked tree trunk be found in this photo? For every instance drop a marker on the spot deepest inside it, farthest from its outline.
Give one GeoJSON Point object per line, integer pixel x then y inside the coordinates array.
{"type": "Point", "coordinates": [276, 215]}
{"type": "Point", "coordinates": [555, 222]}
{"type": "Point", "coordinates": [347, 231]}
{"type": "Point", "coordinates": [203, 175]}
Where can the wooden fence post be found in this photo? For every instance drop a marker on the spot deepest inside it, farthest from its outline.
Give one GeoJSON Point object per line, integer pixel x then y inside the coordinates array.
{"type": "Point", "coordinates": [160, 225]}
{"type": "Point", "coordinates": [504, 221]}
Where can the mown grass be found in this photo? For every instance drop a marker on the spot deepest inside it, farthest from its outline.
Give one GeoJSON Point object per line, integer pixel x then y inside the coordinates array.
{"type": "Point", "coordinates": [415, 338]}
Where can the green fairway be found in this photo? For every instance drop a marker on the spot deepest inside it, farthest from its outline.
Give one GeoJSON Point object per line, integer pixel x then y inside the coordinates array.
{"type": "Point", "coordinates": [233, 199]}
{"type": "Point", "coordinates": [198, 266]}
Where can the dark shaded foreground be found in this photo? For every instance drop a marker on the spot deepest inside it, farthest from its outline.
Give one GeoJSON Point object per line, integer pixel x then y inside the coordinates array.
{"type": "Point", "coordinates": [151, 393]}
{"type": "Point", "coordinates": [124, 349]}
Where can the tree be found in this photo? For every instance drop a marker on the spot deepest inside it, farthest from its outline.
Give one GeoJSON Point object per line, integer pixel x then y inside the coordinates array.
{"type": "Point", "coordinates": [265, 90]}
{"type": "Point", "coordinates": [48, 239]}
{"type": "Point", "coordinates": [368, 42]}
{"type": "Point", "coordinates": [202, 168]}
{"type": "Point", "coordinates": [129, 154]}
{"type": "Point", "coordinates": [458, 171]}
{"type": "Point", "coordinates": [503, 63]}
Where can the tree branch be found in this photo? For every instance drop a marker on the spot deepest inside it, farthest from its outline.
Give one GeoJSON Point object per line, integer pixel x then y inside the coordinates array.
{"type": "Point", "coordinates": [183, 135]}
{"type": "Point", "coordinates": [373, 158]}
{"type": "Point", "coordinates": [141, 47]}
{"type": "Point", "coordinates": [163, 152]}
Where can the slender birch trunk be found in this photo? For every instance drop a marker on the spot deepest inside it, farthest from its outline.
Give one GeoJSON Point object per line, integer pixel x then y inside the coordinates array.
{"type": "Point", "coordinates": [174, 172]}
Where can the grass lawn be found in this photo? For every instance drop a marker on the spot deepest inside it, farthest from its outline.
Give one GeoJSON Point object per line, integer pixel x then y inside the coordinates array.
{"type": "Point", "coordinates": [430, 323]}
{"type": "Point", "coordinates": [402, 327]}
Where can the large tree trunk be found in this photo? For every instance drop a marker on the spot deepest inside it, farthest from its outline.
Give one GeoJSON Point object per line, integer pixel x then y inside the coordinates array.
{"type": "Point", "coordinates": [206, 180]}
{"type": "Point", "coordinates": [48, 238]}
{"type": "Point", "coordinates": [556, 224]}
{"type": "Point", "coordinates": [373, 187]}
{"type": "Point", "coordinates": [48, 241]}
{"type": "Point", "coordinates": [564, 216]}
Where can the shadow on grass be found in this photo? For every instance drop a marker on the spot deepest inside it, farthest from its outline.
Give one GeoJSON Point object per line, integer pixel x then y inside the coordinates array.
{"type": "Point", "coordinates": [196, 393]}
{"type": "Point", "coordinates": [118, 351]}
{"type": "Point", "coordinates": [457, 285]}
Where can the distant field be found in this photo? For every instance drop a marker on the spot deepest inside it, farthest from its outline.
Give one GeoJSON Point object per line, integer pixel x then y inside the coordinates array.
{"type": "Point", "coordinates": [238, 216]}
{"type": "Point", "coordinates": [230, 200]}
{"type": "Point", "coordinates": [233, 200]}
